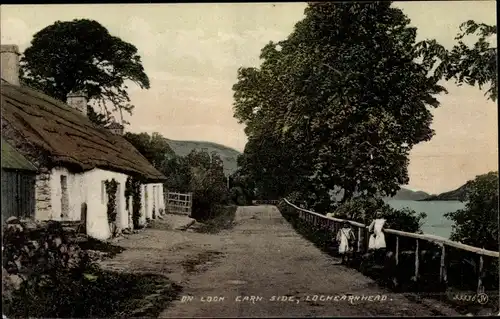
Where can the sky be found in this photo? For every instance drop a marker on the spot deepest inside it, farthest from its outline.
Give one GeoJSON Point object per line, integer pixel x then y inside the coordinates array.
{"type": "Point", "coordinates": [191, 53]}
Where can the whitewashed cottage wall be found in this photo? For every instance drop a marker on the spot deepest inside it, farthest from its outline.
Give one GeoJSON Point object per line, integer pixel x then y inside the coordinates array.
{"type": "Point", "coordinates": [75, 194]}
{"type": "Point", "coordinates": [97, 217]}
{"type": "Point", "coordinates": [155, 199]}
{"type": "Point", "coordinates": [89, 188]}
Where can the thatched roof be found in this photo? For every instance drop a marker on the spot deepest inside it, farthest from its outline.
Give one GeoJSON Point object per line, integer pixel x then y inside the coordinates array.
{"type": "Point", "coordinates": [67, 137]}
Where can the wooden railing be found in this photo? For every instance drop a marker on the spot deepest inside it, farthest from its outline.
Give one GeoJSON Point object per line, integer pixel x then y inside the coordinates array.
{"type": "Point", "coordinates": [394, 244]}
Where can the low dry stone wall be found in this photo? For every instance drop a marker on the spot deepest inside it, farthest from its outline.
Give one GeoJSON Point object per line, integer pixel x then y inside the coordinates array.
{"type": "Point", "coordinates": [30, 247]}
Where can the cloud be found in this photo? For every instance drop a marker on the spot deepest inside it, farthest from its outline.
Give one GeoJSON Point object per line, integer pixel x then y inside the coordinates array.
{"type": "Point", "coordinates": [221, 50]}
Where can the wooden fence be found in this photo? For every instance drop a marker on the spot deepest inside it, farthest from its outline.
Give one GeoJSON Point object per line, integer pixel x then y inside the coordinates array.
{"type": "Point", "coordinates": [399, 242]}
{"type": "Point", "coordinates": [178, 203]}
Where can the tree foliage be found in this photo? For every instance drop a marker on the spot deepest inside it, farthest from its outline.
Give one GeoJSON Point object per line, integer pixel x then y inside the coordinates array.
{"type": "Point", "coordinates": [155, 148]}
{"type": "Point", "coordinates": [207, 182]}
{"type": "Point", "coordinates": [242, 188]}
{"type": "Point", "coordinates": [477, 223]}
{"type": "Point", "coordinates": [81, 55]}
{"type": "Point", "coordinates": [339, 104]}
{"type": "Point", "coordinates": [363, 210]}
{"type": "Point", "coordinates": [198, 172]}
{"type": "Point", "coordinates": [472, 65]}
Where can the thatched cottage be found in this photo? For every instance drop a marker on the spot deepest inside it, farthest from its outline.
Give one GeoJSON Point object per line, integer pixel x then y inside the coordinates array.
{"type": "Point", "coordinates": [74, 158]}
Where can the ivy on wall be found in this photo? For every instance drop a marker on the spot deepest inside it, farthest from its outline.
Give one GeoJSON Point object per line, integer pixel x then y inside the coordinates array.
{"type": "Point", "coordinates": [111, 189]}
{"type": "Point", "coordinates": [133, 189]}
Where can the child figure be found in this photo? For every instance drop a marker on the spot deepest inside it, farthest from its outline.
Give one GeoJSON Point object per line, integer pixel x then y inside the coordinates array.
{"type": "Point", "coordinates": [346, 239]}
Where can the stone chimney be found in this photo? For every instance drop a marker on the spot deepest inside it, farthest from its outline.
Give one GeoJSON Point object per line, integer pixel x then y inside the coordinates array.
{"type": "Point", "coordinates": [10, 63]}
{"type": "Point", "coordinates": [115, 128]}
{"type": "Point", "coordinates": [78, 101]}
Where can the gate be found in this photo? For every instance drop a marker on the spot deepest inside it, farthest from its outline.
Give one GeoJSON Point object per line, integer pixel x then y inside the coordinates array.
{"type": "Point", "coordinates": [178, 203]}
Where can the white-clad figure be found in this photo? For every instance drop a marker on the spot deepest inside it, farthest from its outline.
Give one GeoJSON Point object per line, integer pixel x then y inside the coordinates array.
{"type": "Point", "coordinates": [377, 238]}
{"type": "Point", "coordinates": [346, 239]}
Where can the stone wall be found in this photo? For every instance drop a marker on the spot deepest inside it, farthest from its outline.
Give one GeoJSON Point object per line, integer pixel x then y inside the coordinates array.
{"type": "Point", "coordinates": [43, 206]}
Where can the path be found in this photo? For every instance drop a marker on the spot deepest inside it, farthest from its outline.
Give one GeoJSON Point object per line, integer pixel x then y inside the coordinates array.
{"type": "Point", "coordinates": [262, 256]}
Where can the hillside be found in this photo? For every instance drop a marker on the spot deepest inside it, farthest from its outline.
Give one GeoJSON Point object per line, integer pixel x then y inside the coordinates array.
{"type": "Point", "coordinates": [402, 194]}
{"type": "Point", "coordinates": [457, 194]}
{"type": "Point", "coordinates": [228, 155]}
{"type": "Point", "coordinates": [406, 194]}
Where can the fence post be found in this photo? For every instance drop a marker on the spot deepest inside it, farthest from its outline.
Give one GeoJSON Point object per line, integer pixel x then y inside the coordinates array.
{"type": "Point", "coordinates": [397, 251]}
{"type": "Point", "coordinates": [417, 261]}
{"type": "Point", "coordinates": [443, 277]}
{"type": "Point", "coordinates": [480, 287]}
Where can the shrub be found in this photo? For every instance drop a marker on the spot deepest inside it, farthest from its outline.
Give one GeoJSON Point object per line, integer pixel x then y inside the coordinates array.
{"type": "Point", "coordinates": [111, 189]}
{"type": "Point", "coordinates": [477, 223]}
{"type": "Point", "coordinates": [363, 210]}
{"type": "Point", "coordinates": [133, 189]}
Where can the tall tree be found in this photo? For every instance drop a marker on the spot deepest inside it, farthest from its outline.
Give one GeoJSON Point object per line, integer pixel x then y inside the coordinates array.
{"type": "Point", "coordinates": [81, 55]}
{"type": "Point", "coordinates": [345, 92]}
{"type": "Point", "coordinates": [472, 65]}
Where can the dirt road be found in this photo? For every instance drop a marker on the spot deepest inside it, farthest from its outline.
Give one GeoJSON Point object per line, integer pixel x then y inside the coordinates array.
{"type": "Point", "coordinates": [260, 267]}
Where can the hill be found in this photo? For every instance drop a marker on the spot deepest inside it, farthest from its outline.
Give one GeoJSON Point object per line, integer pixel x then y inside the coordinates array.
{"type": "Point", "coordinates": [229, 156]}
{"type": "Point", "coordinates": [457, 194]}
{"type": "Point", "coordinates": [406, 194]}
{"type": "Point", "coordinates": [402, 194]}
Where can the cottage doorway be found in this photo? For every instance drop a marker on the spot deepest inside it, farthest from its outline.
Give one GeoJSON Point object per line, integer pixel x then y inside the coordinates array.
{"type": "Point", "coordinates": [64, 198]}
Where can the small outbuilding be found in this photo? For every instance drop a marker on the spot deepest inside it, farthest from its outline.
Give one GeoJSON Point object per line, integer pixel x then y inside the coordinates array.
{"type": "Point", "coordinates": [18, 184]}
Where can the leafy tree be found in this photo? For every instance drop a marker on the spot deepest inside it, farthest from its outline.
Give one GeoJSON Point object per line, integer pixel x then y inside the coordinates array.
{"type": "Point", "coordinates": [345, 96]}
{"type": "Point", "coordinates": [198, 172]}
{"type": "Point", "coordinates": [477, 223]}
{"type": "Point", "coordinates": [97, 118]}
{"type": "Point", "coordinates": [207, 182]}
{"type": "Point", "coordinates": [476, 64]}
{"type": "Point", "coordinates": [242, 188]}
{"type": "Point", "coordinates": [178, 174]}
{"type": "Point", "coordinates": [154, 147]}
{"type": "Point", "coordinates": [263, 160]}
{"type": "Point", "coordinates": [81, 55]}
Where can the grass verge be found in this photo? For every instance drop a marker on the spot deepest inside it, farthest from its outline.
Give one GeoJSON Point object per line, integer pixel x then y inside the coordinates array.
{"type": "Point", "coordinates": [96, 293]}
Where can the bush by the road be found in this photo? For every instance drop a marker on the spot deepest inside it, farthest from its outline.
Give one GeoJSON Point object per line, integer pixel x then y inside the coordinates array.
{"type": "Point", "coordinates": [477, 223]}
{"type": "Point", "coordinates": [363, 210]}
